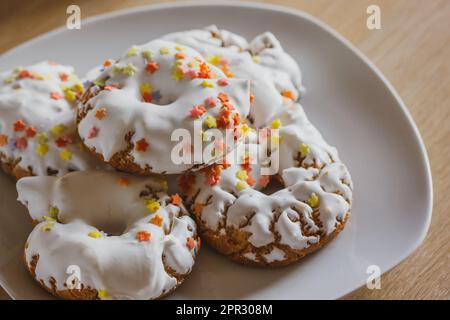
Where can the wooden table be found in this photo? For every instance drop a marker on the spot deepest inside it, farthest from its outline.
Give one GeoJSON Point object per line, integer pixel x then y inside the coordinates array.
{"type": "Point", "coordinates": [412, 49]}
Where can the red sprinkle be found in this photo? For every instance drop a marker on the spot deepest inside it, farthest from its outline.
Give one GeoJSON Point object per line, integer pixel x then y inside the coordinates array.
{"type": "Point", "coordinates": [19, 125]}
{"type": "Point", "coordinates": [93, 132]}
{"type": "Point", "coordinates": [175, 199]}
{"type": "Point", "coordinates": [63, 76]}
{"type": "Point", "coordinates": [147, 97]}
{"type": "Point", "coordinates": [142, 145]}
{"type": "Point", "coordinates": [21, 143]}
{"type": "Point", "coordinates": [152, 67]}
{"type": "Point", "coordinates": [264, 181]}
{"type": "Point", "coordinates": [143, 236]}
{"type": "Point", "coordinates": [30, 132]}
{"type": "Point", "coordinates": [197, 111]}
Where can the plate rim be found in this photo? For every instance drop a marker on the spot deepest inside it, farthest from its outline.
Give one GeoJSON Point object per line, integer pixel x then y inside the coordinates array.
{"type": "Point", "coordinates": [298, 14]}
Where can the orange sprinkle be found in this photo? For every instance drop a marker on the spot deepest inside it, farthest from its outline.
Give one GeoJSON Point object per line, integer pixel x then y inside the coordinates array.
{"type": "Point", "coordinates": [3, 140]}
{"type": "Point", "coordinates": [176, 199]}
{"type": "Point", "coordinates": [101, 113]}
{"type": "Point", "coordinates": [180, 55]}
{"type": "Point", "coordinates": [250, 180]}
{"type": "Point", "coordinates": [143, 236]}
{"type": "Point", "coordinates": [190, 243]}
{"type": "Point", "coordinates": [25, 74]}
{"type": "Point", "coordinates": [30, 132]}
{"type": "Point", "coordinates": [55, 95]}
{"type": "Point", "coordinates": [288, 94]}
{"type": "Point", "coordinates": [124, 182]}
{"type": "Point", "coordinates": [205, 71]}
{"type": "Point", "coordinates": [198, 208]}
{"type": "Point", "coordinates": [63, 76]}
{"type": "Point", "coordinates": [152, 67]}
{"type": "Point", "coordinates": [252, 98]}
{"type": "Point", "coordinates": [107, 63]}
{"type": "Point", "coordinates": [157, 220]}
{"type": "Point", "coordinates": [223, 97]}
{"type": "Point", "coordinates": [19, 125]}
{"type": "Point", "coordinates": [142, 145]}
{"type": "Point", "coordinates": [147, 97]}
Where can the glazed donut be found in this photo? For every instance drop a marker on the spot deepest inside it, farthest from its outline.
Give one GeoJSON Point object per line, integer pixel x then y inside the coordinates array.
{"type": "Point", "coordinates": [239, 219]}
{"type": "Point", "coordinates": [37, 121]}
{"type": "Point", "coordinates": [275, 76]}
{"type": "Point", "coordinates": [128, 116]}
{"type": "Point", "coordinates": [148, 251]}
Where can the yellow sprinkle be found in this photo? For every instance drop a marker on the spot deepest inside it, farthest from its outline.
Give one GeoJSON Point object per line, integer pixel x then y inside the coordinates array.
{"type": "Point", "coordinates": [69, 95]}
{"type": "Point", "coordinates": [48, 226]}
{"type": "Point", "coordinates": [132, 52]}
{"type": "Point", "coordinates": [42, 137]}
{"type": "Point", "coordinates": [95, 234]}
{"type": "Point", "coordinates": [245, 129]}
{"type": "Point", "coordinates": [241, 185]}
{"type": "Point", "coordinates": [207, 84]}
{"type": "Point", "coordinates": [256, 59]}
{"type": "Point", "coordinates": [242, 175]}
{"type": "Point", "coordinates": [276, 124]}
{"type": "Point", "coordinates": [146, 88]}
{"type": "Point", "coordinates": [102, 294]}
{"type": "Point", "coordinates": [177, 74]}
{"type": "Point", "coordinates": [9, 79]}
{"type": "Point", "coordinates": [58, 129]}
{"type": "Point", "coordinates": [78, 87]}
{"type": "Point", "coordinates": [313, 200]}
{"type": "Point", "coordinates": [152, 205]}
{"type": "Point", "coordinates": [65, 155]}
{"type": "Point", "coordinates": [304, 150]}
{"type": "Point", "coordinates": [164, 50]}
{"type": "Point", "coordinates": [147, 54]}
{"type": "Point", "coordinates": [213, 59]}
{"type": "Point", "coordinates": [42, 149]}
{"type": "Point", "coordinates": [53, 211]}
{"type": "Point", "coordinates": [129, 69]}
{"type": "Point", "coordinates": [211, 122]}
{"type": "Point", "coordinates": [47, 218]}
{"type": "Point", "coordinates": [179, 48]}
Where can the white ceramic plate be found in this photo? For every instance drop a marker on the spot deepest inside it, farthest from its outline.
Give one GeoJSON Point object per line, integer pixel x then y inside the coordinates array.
{"type": "Point", "coordinates": [347, 98]}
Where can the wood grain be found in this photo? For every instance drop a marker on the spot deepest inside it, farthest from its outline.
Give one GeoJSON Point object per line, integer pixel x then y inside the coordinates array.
{"type": "Point", "coordinates": [412, 49]}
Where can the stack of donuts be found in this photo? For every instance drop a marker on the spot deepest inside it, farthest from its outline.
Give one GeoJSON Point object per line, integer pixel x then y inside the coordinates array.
{"type": "Point", "coordinates": [120, 199]}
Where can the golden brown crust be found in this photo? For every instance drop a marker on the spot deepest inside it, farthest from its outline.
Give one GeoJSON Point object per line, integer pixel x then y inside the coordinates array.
{"type": "Point", "coordinates": [234, 243]}
{"type": "Point", "coordinates": [12, 168]}
{"type": "Point", "coordinates": [86, 293]}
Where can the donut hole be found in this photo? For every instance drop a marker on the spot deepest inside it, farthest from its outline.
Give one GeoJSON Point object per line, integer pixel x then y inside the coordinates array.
{"type": "Point", "coordinates": [111, 227]}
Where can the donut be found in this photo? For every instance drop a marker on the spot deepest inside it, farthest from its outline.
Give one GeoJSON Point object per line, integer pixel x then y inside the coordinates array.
{"type": "Point", "coordinates": [37, 121]}
{"type": "Point", "coordinates": [239, 216]}
{"type": "Point", "coordinates": [275, 76]}
{"type": "Point", "coordinates": [125, 235]}
{"type": "Point", "coordinates": [127, 117]}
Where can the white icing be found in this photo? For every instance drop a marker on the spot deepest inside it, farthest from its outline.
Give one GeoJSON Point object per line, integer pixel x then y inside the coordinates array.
{"type": "Point", "coordinates": [288, 211]}
{"type": "Point", "coordinates": [273, 72]}
{"type": "Point", "coordinates": [274, 255]}
{"type": "Point", "coordinates": [155, 121]}
{"type": "Point", "coordinates": [117, 263]}
{"type": "Point", "coordinates": [29, 100]}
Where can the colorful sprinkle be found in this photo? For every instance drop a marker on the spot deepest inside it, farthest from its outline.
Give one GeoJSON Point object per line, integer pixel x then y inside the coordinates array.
{"type": "Point", "coordinates": [63, 76]}
{"type": "Point", "coordinates": [210, 102]}
{"type": "Point", "coordinates": [276, 124]}
{"type": "Point", "coordinates": [190, 243]}
{"type": "Point", "coordinates": [288, 94]}
{"type": "Point", "coordinates": [223, 97]}
{"type": "Point", "coordinates": [264, 181]}
{"type": "Point", "coordinates": [252, 98]}
{"type": "Point", "coordinates": [107, 63]}
{"type": "Point", "coordinates": [143, 236]}
{"type": "Point", "coordinates": [223, 82]}
{"type": "Point", "coordinates": [95, 234]}
{"type": "Point", "coordinates": [93, 132]}
{"type": "Point", "coordinates": [147, 54]}
{"type": "Point", "coordinates": [101, 113]}
{"type": "Point", "coordinates": [313, 200]}
{"type": "Point", "coordinates": [242, 175]}
{"type": "Point", "coordinates": [142, 145]}
{"type": "Point", "coordinates": [176, 199]}
{"type": "Point", "coordinates": [65, 155]}
{"type": "Point", "coordinates": [70, 95]}
{"type": "Point", "coordinates": [132, 52]}
{"type": "Point", "coordinates": [152, 205]}
{"type": "Point", "coordinates": [241, 185]}
{"type": "Point", "coordinates": [42, 149]}
{"type": "Point", "coordinates": [21, 143]}
{"type": "Point", "coordinates": [197, 111]}
{"type": "Point", "coordinates": [164, 50]}
{"type": "Point", "coordinates": [180, 55]}
{"type": "Point", "coordinates": [157, 220]}
{"type": "Point", "coordinates": [58, 129]}
{"type": "Point", "coordinates": [102, 294]}
{"type": "Point", "coordinates": [207, 84]}
{"type": "Point", "coordinates": [304, 150]}
{"type": "Point", "coordinates": [152, 67]}
{"type": "Point", "coordinates": [256, 59]}
{"type": "Point", "coordinates": [55, 95]}
{"type": "Point", "coordinates": [19, 125]}
{"type": "Point", "coordinates": [211, 122]}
